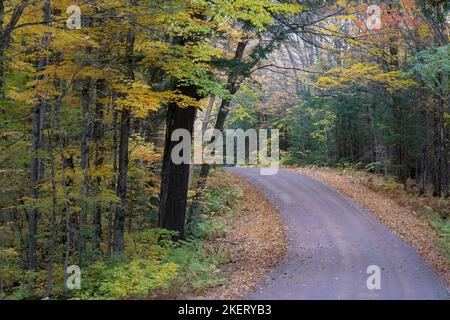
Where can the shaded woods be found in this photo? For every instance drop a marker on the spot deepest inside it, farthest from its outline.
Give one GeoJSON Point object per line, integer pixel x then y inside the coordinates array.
{"type": "Point", "coordinates": [87, 116]}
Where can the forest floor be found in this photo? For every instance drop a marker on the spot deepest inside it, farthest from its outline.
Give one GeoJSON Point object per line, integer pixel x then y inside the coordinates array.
{"type": "Point", "coordinates": [409, 216]}
{"type": "Point", "coordinates": [254, 244]}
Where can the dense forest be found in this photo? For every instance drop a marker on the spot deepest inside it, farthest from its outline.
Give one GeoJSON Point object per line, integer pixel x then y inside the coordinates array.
{"type": "Point", "coordinates": [91, 92]}
{"type": "Point", "coordinates": [377, 99]}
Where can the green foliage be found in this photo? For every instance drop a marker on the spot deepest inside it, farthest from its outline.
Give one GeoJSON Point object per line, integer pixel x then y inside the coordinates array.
{"type": "Point", "coordinates": [10, 271]}
{"type": "Point", "coordinates": [219, 201]}
{"type": "Point", "coordinates": [442, 225]}
{"type": "Point", "coordinates": [208, 229]}
{"type": "Point", "coordinates": [197, 266]}
{"type": "Point", "coordinates": [136, 278]}
{"type": "Point", "coordinates": [27, 285]}
{"type": "Point", "coordinates": [433, 68]}
{"type": "Point", "coordinates": [152, 263]}
{"type": "Point", "coordinates": [390, 184]}
{"type": "Point", "coordinates": [257, 13]}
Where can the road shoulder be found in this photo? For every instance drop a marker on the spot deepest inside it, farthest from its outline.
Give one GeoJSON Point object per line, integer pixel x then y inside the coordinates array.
{"type": "Point", "coordinates": [255, 245]}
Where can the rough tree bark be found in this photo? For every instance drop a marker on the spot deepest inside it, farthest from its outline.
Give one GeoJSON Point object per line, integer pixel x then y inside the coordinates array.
{"type": "Point", "coordinates": [175, 178]}
{"type": "Point", "coordinates": [36, 140]}
{"type": "Point", "coordinates": [125, 126]}
{"type": "Point", "coordinates": [85, 104]}
{"type": "Point", "coordinates": [99, 158]}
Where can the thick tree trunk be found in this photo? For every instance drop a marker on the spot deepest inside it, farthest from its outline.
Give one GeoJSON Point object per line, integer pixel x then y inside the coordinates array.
{"type": "Point", "coordinates": [175, 178]}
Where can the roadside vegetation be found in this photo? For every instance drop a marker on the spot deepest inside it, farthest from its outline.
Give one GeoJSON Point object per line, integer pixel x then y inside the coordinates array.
{"type": "Point", "coordinates": [152, 265]}
{"type": "Point", "coordinates": [208, 263]}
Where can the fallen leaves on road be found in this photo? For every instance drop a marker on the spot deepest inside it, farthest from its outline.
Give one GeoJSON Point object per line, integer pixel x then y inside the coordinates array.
{"type": "Point", "coordinates": [256, 244]}
{"type": "Point", "coordinates": [410, 227]}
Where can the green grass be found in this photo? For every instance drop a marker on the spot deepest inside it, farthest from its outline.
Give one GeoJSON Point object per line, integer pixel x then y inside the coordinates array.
{"type": "Point", "coordinates": [442, 225]}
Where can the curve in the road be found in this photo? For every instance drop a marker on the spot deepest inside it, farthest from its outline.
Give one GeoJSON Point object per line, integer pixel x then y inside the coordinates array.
{"type": "Point", "coordinates": [332, 243]}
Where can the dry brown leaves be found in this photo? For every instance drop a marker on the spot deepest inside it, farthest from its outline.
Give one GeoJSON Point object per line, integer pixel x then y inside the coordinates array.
{"type": "Point", "coordinates": [410, 227]}
{"type": "Point", "coordinates": [255, 245]}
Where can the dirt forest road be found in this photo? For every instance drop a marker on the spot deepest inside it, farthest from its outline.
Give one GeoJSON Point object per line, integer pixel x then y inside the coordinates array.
{"type": "Point", "coordinates": [332, 243]}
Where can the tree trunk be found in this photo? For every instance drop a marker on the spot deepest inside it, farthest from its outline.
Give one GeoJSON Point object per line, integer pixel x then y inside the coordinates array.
{"type": "Point", "coordinates": [175, 178]}
{"type": "Point", "coordinates": [440, 151]}
{"type": "Point", "coordinates": [99, 158]}
{"type": "Point", "coordinates": [85, 101]}
{"type": "Point", "coordinates": [119, 219]}
{"type": "Point", "coordinates": [2, 51]}
{"type": "Point", "coordinates": [125, 125]}
{"type": "Point", "coordinates": [34, 180]}
{"type": "Point", "coordinates": [37, 125]}
{"type": "Point", "coordinates": [6, 29]}
{"type": "Point", "coordinates": [114, 148]}
{"type": "Point", "coordinates": [53, 225]}
{"type": "Point", "coordinates": [224, 109]}
{"type": "Point", "coordinates": [208, 113]}
{"type": "Point", "coordinates": [424, 153]}
{"type": "Point", "coordinates": [232, 88]}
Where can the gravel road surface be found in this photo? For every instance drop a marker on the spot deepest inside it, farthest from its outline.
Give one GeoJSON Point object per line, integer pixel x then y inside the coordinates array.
{"type": "Point", "coordinates": [332, 243]}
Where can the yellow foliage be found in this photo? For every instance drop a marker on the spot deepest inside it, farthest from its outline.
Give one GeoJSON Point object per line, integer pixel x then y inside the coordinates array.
{"type": "Point", "coordinates": [363, 73]}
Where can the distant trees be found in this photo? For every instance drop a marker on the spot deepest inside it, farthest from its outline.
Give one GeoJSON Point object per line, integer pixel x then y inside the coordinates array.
{"type": "Point", "coordinates": [366, 97]}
